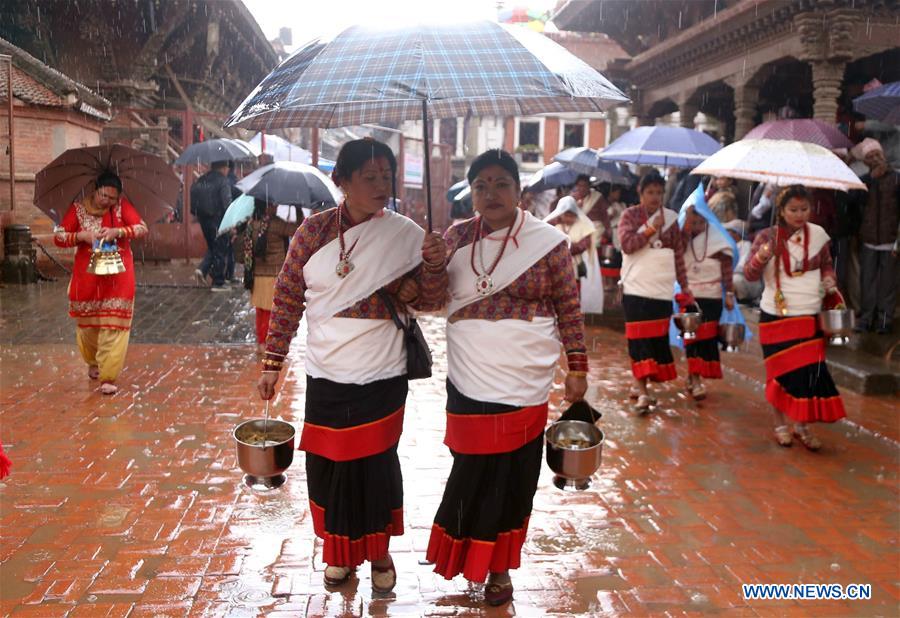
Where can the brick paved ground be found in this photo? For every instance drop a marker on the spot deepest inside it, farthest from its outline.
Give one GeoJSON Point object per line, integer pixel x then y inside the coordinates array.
{"type": "Point", "coordinates": [132, 505]}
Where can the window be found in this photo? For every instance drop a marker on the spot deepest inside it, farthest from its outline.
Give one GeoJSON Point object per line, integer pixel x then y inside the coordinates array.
{"type": "Point", "coordinates": [529, 141]}
{"type": "Point", "coordinates": [573, 135]}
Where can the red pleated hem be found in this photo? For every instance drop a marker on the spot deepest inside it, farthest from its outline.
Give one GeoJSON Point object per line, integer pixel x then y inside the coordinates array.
{"type": "Point", "coordinates": [649, 368]}
{"type": "Point", "coordinates": [705, 368]}
{"type": "Point", "coordinates": [612, 273]}
{"type": "Point", "coordinates": [809, 410]}
{"type": "Point", "coordinates": [472, 557]}
{"type": "Point", "coordinates": [343, 551]}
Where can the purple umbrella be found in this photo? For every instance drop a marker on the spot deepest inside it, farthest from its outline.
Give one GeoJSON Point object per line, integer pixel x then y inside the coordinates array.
{"type": "Point", "coordinates": [802, 130]}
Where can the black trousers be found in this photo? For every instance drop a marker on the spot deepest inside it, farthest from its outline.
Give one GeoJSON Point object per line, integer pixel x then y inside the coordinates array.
{"type": "Point", "coordinates": [217, 248]}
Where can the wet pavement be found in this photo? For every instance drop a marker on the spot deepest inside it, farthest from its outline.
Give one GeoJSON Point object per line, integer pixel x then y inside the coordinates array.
{"type": "Point", "coordinates": [133, 505]}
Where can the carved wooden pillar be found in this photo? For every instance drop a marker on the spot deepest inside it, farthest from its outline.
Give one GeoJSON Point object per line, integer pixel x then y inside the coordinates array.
{"type": "Point", "coordinates": [828, 44]}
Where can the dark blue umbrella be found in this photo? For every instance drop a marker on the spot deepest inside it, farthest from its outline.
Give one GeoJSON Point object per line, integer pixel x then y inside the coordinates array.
{"type": "Point", "coordinates": [588, 161]}
{"type": "Point", "coordinates": [550, 177]}
{"type": "Point", "coordinates": [882, 103]}
{"type": "Point", "coordinates": [665, 146]}
{"type": "Point", "coordinates": [369, 74]}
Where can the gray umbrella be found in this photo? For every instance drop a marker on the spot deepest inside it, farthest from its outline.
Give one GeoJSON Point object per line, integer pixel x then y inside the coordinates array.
{"type": "Point", "coordinates": [288, 182]}
{"type": "Point", "coordinates": [212, 150]}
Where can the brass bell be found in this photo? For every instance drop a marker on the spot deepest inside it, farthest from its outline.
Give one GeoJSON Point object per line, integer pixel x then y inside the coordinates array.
{"type": "Point", "coordinates": [106, 260]}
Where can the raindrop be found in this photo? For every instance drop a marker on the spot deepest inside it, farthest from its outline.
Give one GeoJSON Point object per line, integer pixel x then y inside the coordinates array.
{"type": "Point", "coordinates": [835, 567]}
{"type": "Point", "coordinates": [699, 598]}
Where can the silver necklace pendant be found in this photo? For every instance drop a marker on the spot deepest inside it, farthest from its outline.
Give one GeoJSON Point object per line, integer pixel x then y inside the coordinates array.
{"type": "Point", "coordinates": [484, 285]}
{"type": "Point", "coordinates": [344, 267]}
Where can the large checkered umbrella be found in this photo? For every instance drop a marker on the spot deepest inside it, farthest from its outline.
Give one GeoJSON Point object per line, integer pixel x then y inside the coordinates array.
{"type": "Point", "coordinates": [368, 75]}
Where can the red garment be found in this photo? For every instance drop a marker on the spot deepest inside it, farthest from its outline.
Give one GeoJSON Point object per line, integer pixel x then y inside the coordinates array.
{"type": "Point", "coordinates": [101, 301]}
{"type": "Point", "coordinates": [262, 324]}
{"type": "Point", "coordinates": [823, 211]}
{"type": "Point", "coordinates": [5, 464]}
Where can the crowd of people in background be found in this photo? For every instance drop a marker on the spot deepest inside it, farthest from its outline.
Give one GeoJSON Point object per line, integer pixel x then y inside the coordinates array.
{"type": "Point", "coordinates": [862, 227]}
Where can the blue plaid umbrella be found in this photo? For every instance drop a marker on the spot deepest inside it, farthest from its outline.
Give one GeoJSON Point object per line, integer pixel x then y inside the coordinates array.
{"type": "Point", "coordinates": [368, 75]}
{"type": "Point", "coordinates": [882, 103]}
{"type": "Point", "coordinates": [666, 146]}
{"type": "Point", "coordinates": [588, 161]}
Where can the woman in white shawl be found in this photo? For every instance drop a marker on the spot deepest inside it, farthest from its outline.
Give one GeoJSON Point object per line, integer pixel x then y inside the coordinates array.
{"type": "Point", "coordinates": [583, 239]}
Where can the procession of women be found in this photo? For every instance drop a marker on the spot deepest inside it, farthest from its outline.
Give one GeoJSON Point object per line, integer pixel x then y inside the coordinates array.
{"type": "Point", "coordinates": [514, 284]}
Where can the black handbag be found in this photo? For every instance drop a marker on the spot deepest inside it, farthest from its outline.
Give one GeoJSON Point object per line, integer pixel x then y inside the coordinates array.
{"type": "Point", "coordinates": [418, 356]}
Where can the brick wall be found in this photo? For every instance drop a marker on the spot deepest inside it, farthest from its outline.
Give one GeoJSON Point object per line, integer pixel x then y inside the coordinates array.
{"type": "Point", "coordinates": [41, 134]}
{"type": "Point", "coordinates": [597, 134]}
{"type": "Point", "coordinates": [551, 139]}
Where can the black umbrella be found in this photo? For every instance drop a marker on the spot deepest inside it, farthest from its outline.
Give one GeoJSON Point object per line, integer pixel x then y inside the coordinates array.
{"type": "Point", "coordinates": [288, 182]}
{"type": "Point", "coordinates": [210, 151]}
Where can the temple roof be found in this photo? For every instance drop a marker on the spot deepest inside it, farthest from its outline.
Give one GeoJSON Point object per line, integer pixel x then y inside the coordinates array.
{"type": "Point", "coordinates": [36, 83]}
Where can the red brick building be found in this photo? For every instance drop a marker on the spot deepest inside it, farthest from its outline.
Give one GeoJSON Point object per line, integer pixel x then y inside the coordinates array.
{"type": "Point", "coordinates": [51, 113]}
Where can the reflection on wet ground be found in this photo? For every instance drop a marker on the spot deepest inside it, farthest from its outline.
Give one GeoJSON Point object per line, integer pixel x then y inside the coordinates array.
{"type": "Point", "coordinates": [133, 505]}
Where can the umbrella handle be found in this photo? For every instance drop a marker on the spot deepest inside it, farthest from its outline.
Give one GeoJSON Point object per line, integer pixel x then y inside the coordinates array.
{"type": "Point", "coordinates": [427, 163]}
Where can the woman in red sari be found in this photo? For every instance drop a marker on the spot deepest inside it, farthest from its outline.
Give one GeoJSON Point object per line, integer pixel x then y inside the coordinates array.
{"type": "Point", "coordinates": [102, 304]}
{"type": "Point", "coordinates": [794, 262]}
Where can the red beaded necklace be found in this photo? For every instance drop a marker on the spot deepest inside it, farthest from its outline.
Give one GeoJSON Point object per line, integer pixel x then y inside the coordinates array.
{"type": "Point", "coordinates": [483, 282]}
{"type": "Point", "coordinates": [344, 266]}
{"type": "Point", "coordinates": [705, 247]}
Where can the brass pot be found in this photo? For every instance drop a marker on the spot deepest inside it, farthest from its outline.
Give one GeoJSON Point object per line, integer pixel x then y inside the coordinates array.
{"type": "Point", "coordinates": [732, 335]}
{"type": "Point", "coordinates": [688, 322]}
{"type": "Point", "coordinates": [607, 253]}
{"type": "Point", "coordinates": [264, 461]}
{"type": "Point", "coordinates": [837, 324]}
{"type": "Point", "coordinates": [574, 450]}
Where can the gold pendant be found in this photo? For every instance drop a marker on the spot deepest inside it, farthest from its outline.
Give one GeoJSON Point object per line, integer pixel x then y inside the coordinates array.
{"type": "Point", "coordinates": [780, 303]}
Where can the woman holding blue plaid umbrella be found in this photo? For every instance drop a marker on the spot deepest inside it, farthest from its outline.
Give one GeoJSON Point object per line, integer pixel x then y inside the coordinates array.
{"type": "Point", "coordinates": [513, 306]}
{"type": "Point", "coordinates": [344, 266]}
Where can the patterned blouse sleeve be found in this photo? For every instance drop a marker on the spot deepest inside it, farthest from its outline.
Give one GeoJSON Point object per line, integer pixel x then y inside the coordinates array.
{"type": "Point", "coordinates": [630, 239]}
{"type": "Point", "coordinates": [564, 294]}
{"type": "Point", "coordinates": [826, 264]}
{"type": "Point", "coordinates": [64, 235]}
{"type": "Point", "coordinates": [677, 241]}
{"type": "Point", "coordinates": [753, 267]}
{"type": "Point", "coordinates": [727, 269]}
{"type": "Point", "coordinates": [289, 301]}
{"type": "Point", "coordinates": [433, 282]}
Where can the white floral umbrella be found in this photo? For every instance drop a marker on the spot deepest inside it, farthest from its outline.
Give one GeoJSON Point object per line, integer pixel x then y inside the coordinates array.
{"type": "Point", "coordinates": [783, 163]}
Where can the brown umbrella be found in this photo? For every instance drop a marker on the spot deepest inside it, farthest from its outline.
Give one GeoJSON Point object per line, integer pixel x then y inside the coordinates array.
{"type": "Point", "coordinates": [147, 180]}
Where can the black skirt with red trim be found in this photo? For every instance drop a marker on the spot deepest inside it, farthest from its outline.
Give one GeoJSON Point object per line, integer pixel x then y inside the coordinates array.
{"type": "Point", "coordinates": [353, 474]}
{"type": "Point", "coordinates": [798, 383]}
{"type": "Point", "coordinates": [481, 523]}
{"type": "Point", "coordinates": [612, 269]}
{"type": "Point", "coordinates": [647, 331]}
{"type": "Point", "coordinates": [703, 352]}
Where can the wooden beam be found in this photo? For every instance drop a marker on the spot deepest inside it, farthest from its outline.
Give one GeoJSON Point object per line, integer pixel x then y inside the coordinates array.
{"type": "Point", "coordinates": [184, 97]}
